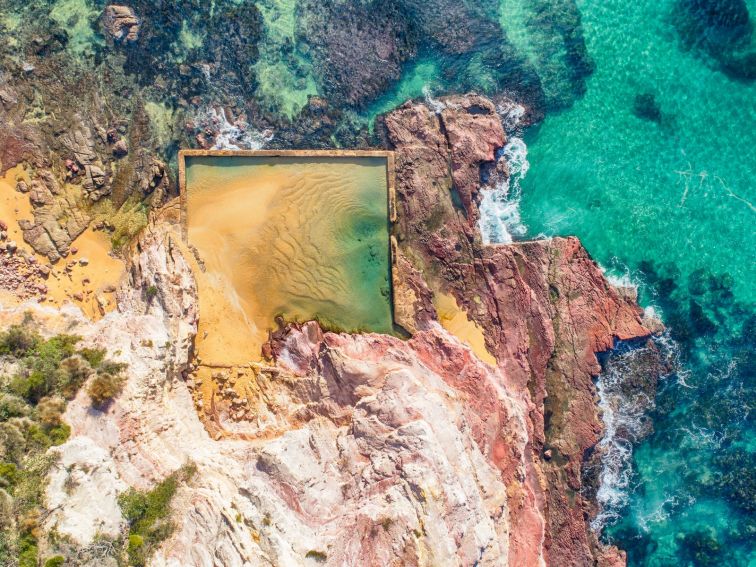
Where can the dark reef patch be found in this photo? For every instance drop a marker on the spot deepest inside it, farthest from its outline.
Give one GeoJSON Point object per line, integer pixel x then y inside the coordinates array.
{"type": "Point", "coordinates": [722, 30]}
{"type": "Point", "coordinates": [713, 333]}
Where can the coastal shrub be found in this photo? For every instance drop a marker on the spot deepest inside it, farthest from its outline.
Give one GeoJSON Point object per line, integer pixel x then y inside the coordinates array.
{"type": "Point", "coordinates": [8, 475]}
{"type": "Point", "coordinates": [56, 561]}
{"type": "Point", "coordinates": [104, 387]}
{"type": "Point", "coordinates": [318, 556]}
{"type": "Point", "coordinates": [12, 406]}
{"type": "Point", "coordinates": [48, 372]}
{"type": "Point", "coordinates": [151, 292]}
{"type": "Point", "coordinates": [17, 341]}
{"type": "Point", "coordinates": [76, 369]}
{"type": "Point", "coordinates": [50, 411]}
{"type": "Point", "coordinates": [94, 356]}
{"type": "Point", "coordinates": [148, 514]}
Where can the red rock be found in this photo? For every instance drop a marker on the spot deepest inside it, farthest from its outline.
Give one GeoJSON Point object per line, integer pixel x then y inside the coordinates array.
{"type": "Point", "coordinates": [516, 294]}
{"type": "Point", "coordinates": [121, 23]}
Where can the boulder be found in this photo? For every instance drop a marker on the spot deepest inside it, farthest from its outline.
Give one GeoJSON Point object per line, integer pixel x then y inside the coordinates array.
{"type": "Point", "coordinates": [121, 23]}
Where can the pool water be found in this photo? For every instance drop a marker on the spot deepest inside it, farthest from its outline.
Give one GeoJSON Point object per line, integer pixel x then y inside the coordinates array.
{"type": "Point", "coordinates": [300, 238]}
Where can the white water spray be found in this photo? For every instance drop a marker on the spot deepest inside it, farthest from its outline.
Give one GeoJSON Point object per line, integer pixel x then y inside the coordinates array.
{"type": "Point", "coordinates": [237, 135]}
{"type": "Point", "coordinates": [500, 220]}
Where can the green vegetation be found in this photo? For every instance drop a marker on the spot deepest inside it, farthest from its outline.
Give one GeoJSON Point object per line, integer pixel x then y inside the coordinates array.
{"type": "Point", "coordinates": [318, 556]}
{"type": "Point", "coordinates": [148, 515]}
{"type": "Point", "coordinates": [107, 384]}
{"type": "Point", "coordinates": [152, 292]}
{"type": "Point", "coordinates": [37, 378]}
{"type": "Point", "coordinates": [56, 561]}
{"type": "Point", "coordinates": [127, 220]}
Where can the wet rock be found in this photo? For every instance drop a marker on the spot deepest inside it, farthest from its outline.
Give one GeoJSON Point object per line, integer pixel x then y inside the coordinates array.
{"type": "Point", "coordinates": [8, 98]}
{"type": "Point", "coordinates": [359, 47]}
{"type": "Point", "coordinates": [96, 184]}
{"type": "Point", "coordinates": [154, 177]}
{"type": "Point", "coordinates": [80, 142]}
{"type": "Point", "coordinates": [18, 143]}
{"type": "Point", "coordinates": [120, 149]}
{"type": "Point", "coordinates": [474, 130]}
{"type": "Point", "coordinates": [121, 23]}
{"type": "Point", "coordinates": [72, 167]}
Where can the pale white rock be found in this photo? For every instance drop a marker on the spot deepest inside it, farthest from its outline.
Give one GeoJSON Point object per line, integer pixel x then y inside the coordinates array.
{"type": "Point", "coordinates": [387, 467]}
{"type": "Point", "coordinates": [82, 493]}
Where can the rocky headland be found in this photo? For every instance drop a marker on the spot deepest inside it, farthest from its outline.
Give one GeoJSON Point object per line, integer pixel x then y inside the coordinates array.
{"type": "Point", "coordinates": [344, 449]}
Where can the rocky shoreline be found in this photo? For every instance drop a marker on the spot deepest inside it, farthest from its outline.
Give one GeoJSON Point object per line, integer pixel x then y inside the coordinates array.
{"type": "Point", "coordinates": [365, 449]}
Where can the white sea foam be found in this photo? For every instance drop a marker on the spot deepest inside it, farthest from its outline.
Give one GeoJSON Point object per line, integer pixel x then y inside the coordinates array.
{"type": "Point", "coordinates": [236, 135]}
{"type": "Point", "coordinates": [433, 103]}
{"type": "Point", "coordinates": [621, 281]}
{"type": "Point", "coordinates": [511, 114]}
{"type": "Point", "coordinates": [664, 510]}
{"type": "Point", "coordinates": [624, 424]}
{"type": "Point", "coordinates": [624, 416]}
{"type": "Point", "coordinates": [500, 220]}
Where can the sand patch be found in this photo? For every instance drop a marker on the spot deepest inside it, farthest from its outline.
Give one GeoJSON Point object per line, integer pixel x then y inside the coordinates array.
{"type": "Point", "coordinates": [87, 279]}
{"type": "Point", "coordinates": [455, 320]}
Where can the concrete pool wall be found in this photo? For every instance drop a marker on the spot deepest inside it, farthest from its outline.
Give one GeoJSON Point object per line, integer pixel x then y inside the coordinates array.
{"type": "Point", "coordinates": [301, 234]}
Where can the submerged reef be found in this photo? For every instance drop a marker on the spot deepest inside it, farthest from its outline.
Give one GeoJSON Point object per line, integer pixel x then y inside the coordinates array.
{"type": "Point", "coordinates": [721, 30]}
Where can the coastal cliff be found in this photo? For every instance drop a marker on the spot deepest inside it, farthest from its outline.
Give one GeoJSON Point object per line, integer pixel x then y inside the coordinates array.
{"type": "Point", "coordinates": [362, 449]}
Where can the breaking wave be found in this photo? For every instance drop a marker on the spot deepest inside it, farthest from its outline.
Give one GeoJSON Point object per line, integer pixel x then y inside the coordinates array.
{"type": "Point", "coordinates": [236, 135]}
{"type": "Point", "coordinates": [500, 221]}
{"type": "Point", "coordinates": [625, 409]}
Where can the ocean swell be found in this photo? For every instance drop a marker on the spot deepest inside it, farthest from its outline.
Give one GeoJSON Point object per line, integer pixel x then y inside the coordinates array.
{"type": "Point", "coordinates": [232, 135]}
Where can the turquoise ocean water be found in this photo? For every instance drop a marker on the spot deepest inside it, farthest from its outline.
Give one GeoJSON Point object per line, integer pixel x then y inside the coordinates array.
{"type": "Point", "coordinates": [654, 169]}
{"type": "Point", "coordinates": [650, 158]}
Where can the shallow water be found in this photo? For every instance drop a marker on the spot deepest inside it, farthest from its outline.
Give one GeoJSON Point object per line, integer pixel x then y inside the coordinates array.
{"type": "Point", "coordinates": [301, 238]}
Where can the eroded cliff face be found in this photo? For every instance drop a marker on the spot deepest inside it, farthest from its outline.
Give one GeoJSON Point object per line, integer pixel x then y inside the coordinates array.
{"type": "Point", "coordinates": [366, 449]}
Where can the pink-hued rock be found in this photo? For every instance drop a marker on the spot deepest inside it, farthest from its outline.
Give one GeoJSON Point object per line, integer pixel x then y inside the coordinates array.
{"type": "Point", "coordinates": [121, 23]}
{"type": "Point", "coordinates": [370, 449]}
{"type": "Point", "coordinates": [545, 307]}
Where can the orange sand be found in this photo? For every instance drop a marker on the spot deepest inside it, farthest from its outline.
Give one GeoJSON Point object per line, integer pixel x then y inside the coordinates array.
{"type": "Point", "coordinates": [93, 280]}
{"type": "Point", "coordinates": [455, 320]}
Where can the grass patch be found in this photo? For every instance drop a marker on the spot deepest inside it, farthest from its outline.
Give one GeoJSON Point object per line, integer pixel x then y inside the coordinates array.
{"type": "Point", "coordinates": [148, 514]}
{"type": "Point", "coordinates": [126, 221]}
